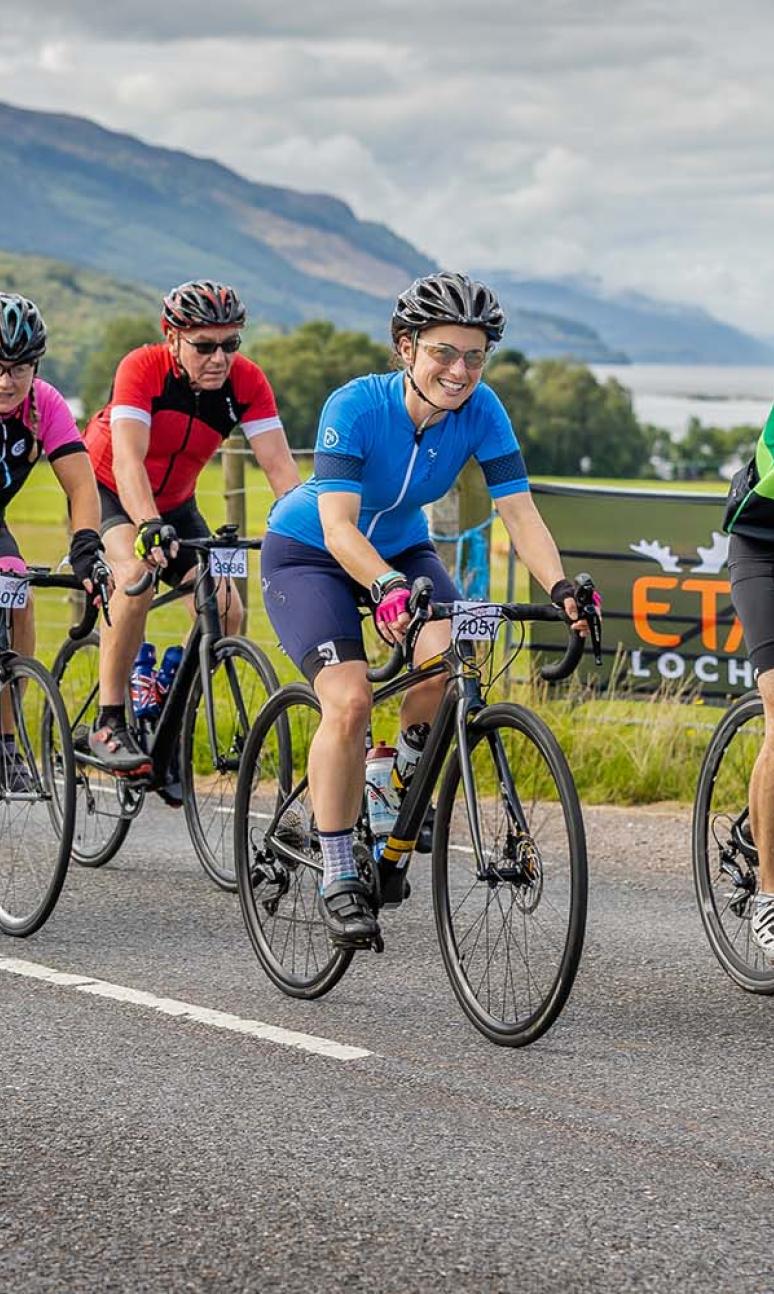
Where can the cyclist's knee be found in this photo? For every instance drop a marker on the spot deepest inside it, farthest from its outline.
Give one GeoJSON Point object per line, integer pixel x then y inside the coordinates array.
{"type": "Point", "coordinates": [346, 701]}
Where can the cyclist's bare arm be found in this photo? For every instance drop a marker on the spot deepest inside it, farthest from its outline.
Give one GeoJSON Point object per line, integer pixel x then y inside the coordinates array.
{"type": "Point", "coordinates": [75, 475]}
{"type": "Point", "coordinates": [273, 455]}
{"type": "Point", "coordinates": [533, 542]}
{"type": "Point", "coordinates": [339, 511]}
{"type": "Point", "coordinates": [131, 439]}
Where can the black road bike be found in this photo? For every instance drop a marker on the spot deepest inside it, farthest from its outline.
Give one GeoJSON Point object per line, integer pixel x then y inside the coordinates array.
{"type": "Point", "coordinates": [218, 689]}
{"type": "Point", "coordinates": [725, 860]}
{"type": "Point", "coordinates": [37, 769]}
{"type": "Point", "coordinates": [509, 876]}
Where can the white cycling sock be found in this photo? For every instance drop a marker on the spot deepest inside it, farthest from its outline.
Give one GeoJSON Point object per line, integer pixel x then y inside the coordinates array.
{"type": "Point", "coordinates": [338, 860]}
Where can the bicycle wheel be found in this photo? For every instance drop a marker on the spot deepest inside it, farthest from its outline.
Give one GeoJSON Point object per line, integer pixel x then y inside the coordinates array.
{"type": "Point", "coordinates": [242, 678]}
{"type": "Point", "coordinates": [101, 820]}
{"type": "Point", "coordinates": [511, 933]}
{"type": "Point", "coordinates": [35, 840]}
{"type": "Point", "coordinates": [279, 897]}
{"type": "Point", "coordinates": [725, 862]}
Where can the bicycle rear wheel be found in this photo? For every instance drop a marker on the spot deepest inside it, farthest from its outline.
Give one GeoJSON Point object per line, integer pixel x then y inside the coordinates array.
{"type": "Point", "coordinates": [36, 773]}
{"type": "Point", "coordinates": [511, 932]}
{"type": "Point", "coordinates": [278, 896]}
{"type": "Point", "coordinates": [101, 820]}
{"type": "Point", "coordinates": [242, 678]}
{"type": "Point", "coordinates": [725, 861]}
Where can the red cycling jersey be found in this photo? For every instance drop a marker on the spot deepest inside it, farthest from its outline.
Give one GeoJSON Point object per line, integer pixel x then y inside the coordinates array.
{"type": "Point", "coordinates": [186, 426]}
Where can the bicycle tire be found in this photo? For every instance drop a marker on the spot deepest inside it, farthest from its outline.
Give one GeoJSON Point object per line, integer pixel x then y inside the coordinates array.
{"type": "Point", "coordinates": [101, 826]}
{"type": "Point", "coordinates": [32, 872]}
{"type": "Point", "coordinates": [536, 875]}
{"type": "Point", "coordinates": [722, 858]}
{"type": "Point", "coordinates": [209, 806]}
{"type": "Point", "coordinates": [279, 902]}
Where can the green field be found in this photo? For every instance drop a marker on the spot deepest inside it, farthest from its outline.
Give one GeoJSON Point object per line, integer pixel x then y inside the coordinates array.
{"type": "Point", "coordinates": [621, 751]}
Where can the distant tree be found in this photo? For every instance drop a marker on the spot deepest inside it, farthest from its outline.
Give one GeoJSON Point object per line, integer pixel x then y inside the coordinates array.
{"type": "Point", "coordinates": [578, 424]}
{"type": "Point", "coordinates": [306, 365]}
{"type": "Point", "coordinates": [706, 453]}
{"type": "Point", "coordinates": [121, 335]}
{"type": "Point", "coordinates": [507, 374]}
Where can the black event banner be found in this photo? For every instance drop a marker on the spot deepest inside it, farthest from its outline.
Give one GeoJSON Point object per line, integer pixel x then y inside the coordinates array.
{"type": "Point", "coordinates": [659, 561]}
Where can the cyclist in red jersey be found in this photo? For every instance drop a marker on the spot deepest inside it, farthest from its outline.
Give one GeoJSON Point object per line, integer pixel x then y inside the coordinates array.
{"type": "Point", "coordinates": [35, 420]}
{"type": "Point", "coordinates": [172, 405]}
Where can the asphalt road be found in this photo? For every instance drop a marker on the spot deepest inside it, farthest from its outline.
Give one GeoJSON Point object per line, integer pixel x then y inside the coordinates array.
{"type": "Point", "coordinates": [629, 1149]}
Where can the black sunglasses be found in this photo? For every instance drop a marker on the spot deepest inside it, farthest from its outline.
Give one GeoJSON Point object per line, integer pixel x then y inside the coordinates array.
{"type": "Point", "coordinates": [228, 345]}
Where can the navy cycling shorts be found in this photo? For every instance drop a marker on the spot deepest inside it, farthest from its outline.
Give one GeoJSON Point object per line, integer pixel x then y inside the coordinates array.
{"type": "Point", "coordinates": [313, 604]}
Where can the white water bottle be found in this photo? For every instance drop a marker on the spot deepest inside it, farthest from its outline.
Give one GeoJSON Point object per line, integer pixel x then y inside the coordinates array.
{"type": "Point", "coordinates": [380, 796]}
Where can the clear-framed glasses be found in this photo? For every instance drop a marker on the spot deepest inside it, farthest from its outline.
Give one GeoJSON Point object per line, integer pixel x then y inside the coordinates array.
{"type": "Point", "coordinates": [445, 354]}
{"type": "Point", "coordinates": [229, 345]}
{"type": "Point", "coordinates": [16, 372]}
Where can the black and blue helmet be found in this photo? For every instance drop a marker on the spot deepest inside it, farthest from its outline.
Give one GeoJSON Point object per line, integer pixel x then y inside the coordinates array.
{"type": "Point", "coordinates": [22, 330]}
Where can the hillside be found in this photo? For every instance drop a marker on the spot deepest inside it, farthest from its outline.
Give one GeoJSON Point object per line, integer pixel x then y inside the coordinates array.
{"type": "Point", "coordinates": [76, 304]}
{"type": "Point", "coordinates": [99, 199]}
{"type": "Point", "coordinates": [648, 331]}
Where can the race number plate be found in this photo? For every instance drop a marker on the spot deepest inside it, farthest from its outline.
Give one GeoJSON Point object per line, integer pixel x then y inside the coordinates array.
{"type": "Point", "coordinates": [229, 561]}
{"type": "Point", "coordinates": [475, 621]}
{"type": "Point", "coordinates": [13, 592]}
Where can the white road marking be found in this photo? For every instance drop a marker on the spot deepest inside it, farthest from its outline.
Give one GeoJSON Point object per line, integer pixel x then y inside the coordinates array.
{"type": "Point", "coordinates": [183, 1010]}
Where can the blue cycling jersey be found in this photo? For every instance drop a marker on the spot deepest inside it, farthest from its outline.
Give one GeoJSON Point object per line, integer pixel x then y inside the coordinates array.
{"type": "Point", "coordinates": [368, 445]}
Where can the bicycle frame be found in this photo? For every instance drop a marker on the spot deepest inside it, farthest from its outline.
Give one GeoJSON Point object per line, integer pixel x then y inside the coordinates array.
{"type": "Point", "coordinates": [196, 657]}
{"type": "Point", "coordinates": [460, 701]}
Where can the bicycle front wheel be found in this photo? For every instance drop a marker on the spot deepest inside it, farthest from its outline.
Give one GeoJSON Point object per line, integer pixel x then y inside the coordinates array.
{"type": "Point", "coordinates": [101, 820]}
{"type": "Point", "coordinates": [510, 927]}
{"type": "Point", "coordinates": [725, 861]}
{"type": "Point", "coordinates": [278, 895]}
{"type": "Point", "coordinates": [242, 679]}
{"type": "Point", "coordinates": [37, 796]}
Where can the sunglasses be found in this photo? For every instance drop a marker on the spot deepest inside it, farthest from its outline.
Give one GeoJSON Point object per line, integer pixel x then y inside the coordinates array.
{"type": "Point", "coordinates": [228, 345]}
{"type": "Point", "coordinates": [16, 372]}
{"type": "Point", "coordinates": [446, 354]}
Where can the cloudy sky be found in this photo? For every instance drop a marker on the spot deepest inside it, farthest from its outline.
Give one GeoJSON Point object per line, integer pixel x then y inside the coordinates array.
{"type": "Point", "coordinates": [629, 139]}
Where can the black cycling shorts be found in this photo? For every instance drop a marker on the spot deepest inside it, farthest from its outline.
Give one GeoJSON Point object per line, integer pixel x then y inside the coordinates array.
{"type": "Point", "coordinates": [313, 604]}
{"type": "Point", "coordinates": [751, 567]}
{"type": "Point", "coordinates": [186, 518]}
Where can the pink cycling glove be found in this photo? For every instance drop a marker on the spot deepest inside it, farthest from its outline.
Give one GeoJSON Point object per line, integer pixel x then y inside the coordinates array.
{"type": "Point", "coordinates": [391, 607]}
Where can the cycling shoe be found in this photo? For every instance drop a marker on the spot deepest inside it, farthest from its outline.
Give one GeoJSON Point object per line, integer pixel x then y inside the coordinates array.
{"type": "Point", "coordinates": [345, 907]}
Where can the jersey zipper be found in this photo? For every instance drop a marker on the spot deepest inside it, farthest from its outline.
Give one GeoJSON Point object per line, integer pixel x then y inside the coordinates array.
{"type": "Point", "coordinates": [418, 434]}
{"type": "Point", "coordinates": [180, 449]}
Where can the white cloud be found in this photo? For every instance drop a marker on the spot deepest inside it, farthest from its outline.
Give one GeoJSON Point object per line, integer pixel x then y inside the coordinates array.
{"type": "Point", "coordinates": [627, 139]}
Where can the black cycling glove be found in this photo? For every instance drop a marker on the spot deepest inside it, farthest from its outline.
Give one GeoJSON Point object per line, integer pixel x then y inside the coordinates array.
{"type": "Point", "coordinates": [563, 588]}
{"type": "Point", "coordinates": [85, 551]}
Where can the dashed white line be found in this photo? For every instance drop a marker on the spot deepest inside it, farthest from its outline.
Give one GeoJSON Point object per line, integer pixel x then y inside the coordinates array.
{"type": "Point", "coordinates": [183, 1010]}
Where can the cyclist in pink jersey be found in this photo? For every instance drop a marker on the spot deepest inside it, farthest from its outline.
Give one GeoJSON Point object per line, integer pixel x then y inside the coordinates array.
{"type": "Point", "coordinates": [35, 420]}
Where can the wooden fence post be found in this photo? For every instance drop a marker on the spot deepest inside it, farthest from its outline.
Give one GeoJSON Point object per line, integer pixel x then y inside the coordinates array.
{"type": "Point", "coordinates": [466, 506]}
{"type": "Point", "coordinates": [233, 455]}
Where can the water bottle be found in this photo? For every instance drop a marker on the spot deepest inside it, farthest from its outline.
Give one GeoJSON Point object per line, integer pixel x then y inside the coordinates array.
{"type": "Point", "coordinates": [380, 798]}
{"type": "Point", "coordinates": [142, 684]}
{"type": "Point", "coordinates": [411, 743]}
{"type": "Point", "coordinates": [167, 670]}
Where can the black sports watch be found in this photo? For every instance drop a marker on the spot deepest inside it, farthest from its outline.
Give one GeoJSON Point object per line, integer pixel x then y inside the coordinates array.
{"type": "Point", "coordinates": [384, 584]}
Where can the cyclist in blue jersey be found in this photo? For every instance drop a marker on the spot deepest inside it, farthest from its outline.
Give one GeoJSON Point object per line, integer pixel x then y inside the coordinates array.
{"type": "Point", "coordinates": [386, 445]}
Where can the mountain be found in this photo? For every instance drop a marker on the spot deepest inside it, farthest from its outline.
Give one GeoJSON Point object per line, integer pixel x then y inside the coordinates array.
{"type": "Point", "coordinates": [76, 304]}
{"type": "Point", "coordinates": [96, 198]}
{"type": "Point", "coordinates": [649, 331]}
